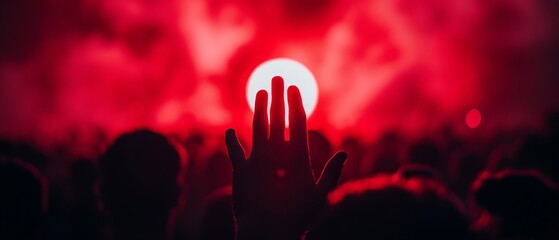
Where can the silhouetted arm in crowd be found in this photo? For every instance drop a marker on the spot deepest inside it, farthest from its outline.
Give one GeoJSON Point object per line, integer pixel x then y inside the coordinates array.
{"type": "Point", "coordinates": [275, 195]}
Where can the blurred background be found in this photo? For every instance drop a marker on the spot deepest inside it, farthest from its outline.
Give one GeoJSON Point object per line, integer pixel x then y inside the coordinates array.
{"type": "Point", "coordinates": [75, 71]}
{"type": "Point", "coordinates": [460, 86]}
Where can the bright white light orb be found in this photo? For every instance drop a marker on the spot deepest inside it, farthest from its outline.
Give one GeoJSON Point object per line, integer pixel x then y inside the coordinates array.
{"type": "Point", "coordinates": [293, 73]}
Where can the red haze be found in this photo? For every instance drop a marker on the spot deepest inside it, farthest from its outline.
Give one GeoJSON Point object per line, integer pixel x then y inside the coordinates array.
{"type": "Point", "coordinates": [180, 66]}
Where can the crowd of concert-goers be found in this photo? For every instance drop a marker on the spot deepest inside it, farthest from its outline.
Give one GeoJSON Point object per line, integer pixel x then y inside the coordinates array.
{"type": "Point", "coordinates": [144, 187]}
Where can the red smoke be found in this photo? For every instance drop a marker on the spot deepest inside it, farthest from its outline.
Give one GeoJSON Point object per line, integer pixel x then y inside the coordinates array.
{"type": "Point", "coordinates": [76, 71]}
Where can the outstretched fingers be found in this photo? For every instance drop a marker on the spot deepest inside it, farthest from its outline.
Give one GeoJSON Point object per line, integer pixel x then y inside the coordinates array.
{"type": "Point", "coordinates": [332, 173]}
{"type": "Point", "coordinates": [234, 148]}
{"type": "Point", "coordinates": [277, 111]}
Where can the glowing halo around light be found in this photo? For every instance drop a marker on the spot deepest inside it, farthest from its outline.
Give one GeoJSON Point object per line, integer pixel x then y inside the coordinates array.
{"type": "Point", "coordinates": [293, 73]}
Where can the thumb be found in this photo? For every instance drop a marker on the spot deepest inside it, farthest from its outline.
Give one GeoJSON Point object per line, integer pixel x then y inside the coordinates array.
{"type": "Point", "coordinates": [234, 148]}
{"type": "Point", "coordinates": [332, 172]}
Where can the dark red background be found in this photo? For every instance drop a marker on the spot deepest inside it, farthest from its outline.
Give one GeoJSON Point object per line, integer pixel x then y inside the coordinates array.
{"type": "Point", "coordinates": [73, 73]}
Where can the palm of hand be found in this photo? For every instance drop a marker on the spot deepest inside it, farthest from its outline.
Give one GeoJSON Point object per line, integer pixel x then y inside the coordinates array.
{"type": "Point", "coordinates": [274, 189]}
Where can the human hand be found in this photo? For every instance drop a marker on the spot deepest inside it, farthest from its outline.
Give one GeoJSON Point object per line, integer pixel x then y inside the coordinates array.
{"type": "Point", "coordinates": [275, 195]}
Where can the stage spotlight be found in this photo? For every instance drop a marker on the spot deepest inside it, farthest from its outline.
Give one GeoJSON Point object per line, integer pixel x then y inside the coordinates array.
{"type": "Point", "coordinates": [293, 73]}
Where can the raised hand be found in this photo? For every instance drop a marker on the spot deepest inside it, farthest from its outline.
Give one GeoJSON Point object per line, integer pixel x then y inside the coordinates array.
{"type": "Point", "coordinates": [275, 195]}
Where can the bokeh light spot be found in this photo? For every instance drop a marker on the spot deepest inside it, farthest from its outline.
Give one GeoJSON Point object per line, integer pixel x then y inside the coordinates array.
{"type": "Point", "coordinates": [280, 172]}
{"type": "Point", "coordinates": [473, 118]}
{"type": "Point", "coordinates": [293, 73]}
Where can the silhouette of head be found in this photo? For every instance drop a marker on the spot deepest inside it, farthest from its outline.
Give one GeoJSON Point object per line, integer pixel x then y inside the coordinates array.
{"type": "Point", "coordinates": [418, 171]}
{"type": "Point", "coordinates": [537, 152]}
{"type": "Point", "coordinates": [525, 203]}
{"type": "Point", "coordinates": [22, 201]}
{"type": "Point", "coordinates": [83, 175]}
{"type": "Point", "coordinates": [426, 152]}
{"type": "Point", "coordinates": [354, 148]}
{"type": "Point", "coordinates": [24, 152]}
{"type": "Point", "coordinates": [138, 184]}
{"type": "Point", "coordinates": [392, 208]}
{"type": "Point", "coordinates": [83, 216]}
{"type": "Point", "coordinates": [552, 123]}
{"type": "Point", "coordinates": [384, 156]}
{"type": "Point", "coordinates": [218, 221]}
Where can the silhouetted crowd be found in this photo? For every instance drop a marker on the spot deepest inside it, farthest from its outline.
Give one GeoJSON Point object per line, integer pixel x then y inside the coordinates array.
{"type": "Point", "coordinates": [149, 186]}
